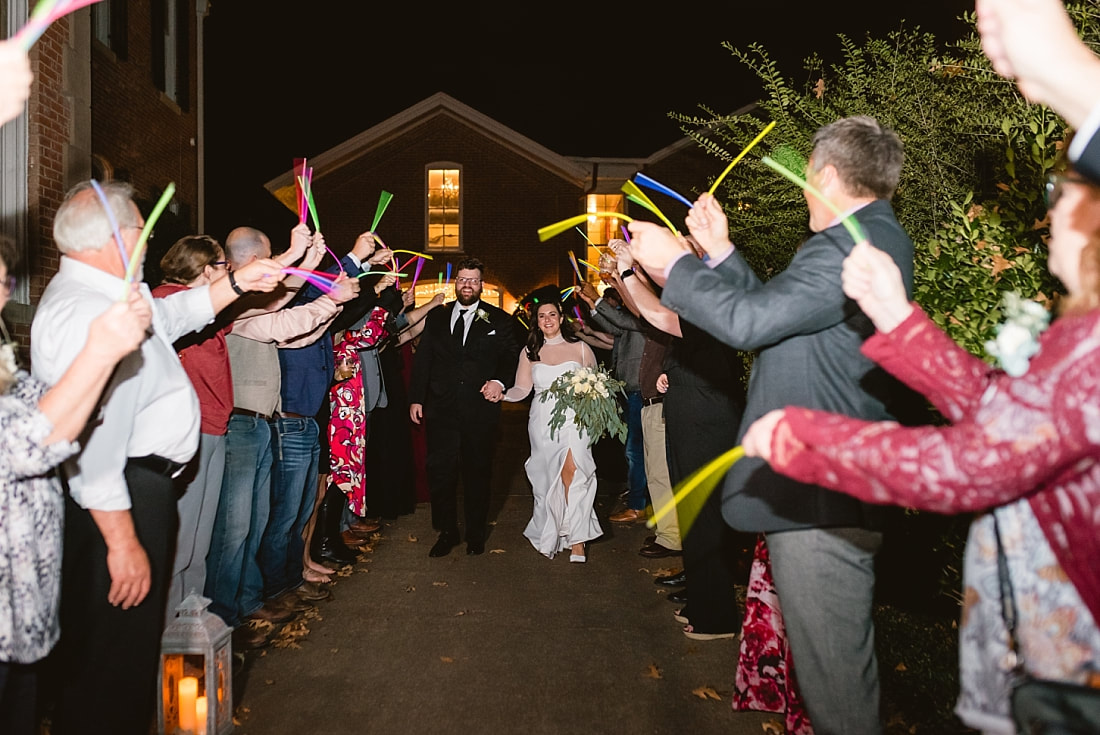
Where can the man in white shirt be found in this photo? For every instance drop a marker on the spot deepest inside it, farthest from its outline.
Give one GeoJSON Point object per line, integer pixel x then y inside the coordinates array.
{"type": "Point", "coordinates": [120, 524]}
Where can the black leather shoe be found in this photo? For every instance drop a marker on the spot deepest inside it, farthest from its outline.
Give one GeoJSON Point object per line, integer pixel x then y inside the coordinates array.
{"type": "Point", "coordinates": [474, 548]}
{"type": "Point", "coordinates": [672, 580]}
{"type": "Point", "coordinates": [444, 544]}
{"type": "Point", "coordinates": [656, 551]}
{"type": "Point", "coordinates": [679, 596]}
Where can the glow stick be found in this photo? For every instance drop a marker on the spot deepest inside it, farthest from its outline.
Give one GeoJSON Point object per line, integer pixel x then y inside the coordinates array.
{"type": "Point", "coordinates": [848, 221]}
{"type": "Point", "coordinates": [565, 292]}
{"type": "Point", "coordinates": [412, 252]}
{"type": "Point", "coordinates": [626, 234]}
{"type": "Point", "coordinates": [416, 273]}
{"type": "Point", "coordinates": [741, 155]}
{"type": "Point", "coordinates": [448, 273]}
{"type": "Point", "coordinates": [312, 206]}
{"type": "Point", "coordinates": [584, 236]}
{"type": "Point", "coordinates": [576, 268]}
{"type": "Point", "coordinates": [545, 233]}
{"type": "Point", "coordinates": [577, 311]}
{"type": "Point", "coordinates": [143, 238]}
{"type": "Point", "coordinates": [395, 274]}
{"type": "Point", "coordinates": [705, 478]}
{"type": "Point", "coordinates": [586, 263]}
{"type": "Point", "coordinates": [44, 14]}
{"type": "Point", "coordinates": [651, 184]}
{"type": "Point", "coordinates": [299, 179]}
{"type": "Point", "coordinates": [383, 202]}
{"type": "Point", "coordinates": [321, 280]}
{"type": "Point", "coordinates": [112, 221]}
{"type": "Point", "coordinates": [440, 280]}
{"type": "Point", "coordinates": [634, 194]}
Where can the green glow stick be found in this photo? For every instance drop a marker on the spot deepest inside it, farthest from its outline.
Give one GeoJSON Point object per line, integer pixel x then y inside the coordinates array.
{"type": "Point", "coordinates": [848, 220]}
{"type": "Point", "coordinates": [637, 195]}
{"type": "Point", "coordinates": [143, 238]}
{"type": "Point", "coordinates": [741, 155]}
{"type": "Point", "coordinates": [383, 202]}
{"type": "Point", "coordinates": [584, 236]}
{"type": "Point", "coordinates": [706, 479]}
{"type": "Point", "coordinates": [312, 209]}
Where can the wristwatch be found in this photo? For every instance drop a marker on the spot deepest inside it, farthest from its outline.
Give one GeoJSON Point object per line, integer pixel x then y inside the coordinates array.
{"type": "Point", "coordinates": [626, 274]}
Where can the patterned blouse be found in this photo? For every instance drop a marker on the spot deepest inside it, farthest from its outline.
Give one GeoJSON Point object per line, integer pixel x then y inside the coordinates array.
{"type": "Point", "coordinates": [1024, 447]}
{"type": "Point", "coordinates": [31, 511]}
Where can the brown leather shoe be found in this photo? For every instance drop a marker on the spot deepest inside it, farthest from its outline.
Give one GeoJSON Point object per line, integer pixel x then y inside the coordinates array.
{"type": "Point", "coordinates": [365, 526]}
{"type": "Point", "coordinates": [272, 613]}
{"type": "Point", "coordinates": [247, 638]}
{"type": "Point", "coordinates": [313, 592]}
{"type": "Point", "coordinates": [628, 516]}
{"type": "Point", "coordinates": [290, 600]}
{"type": "Point", "coordinates": [352, 540]}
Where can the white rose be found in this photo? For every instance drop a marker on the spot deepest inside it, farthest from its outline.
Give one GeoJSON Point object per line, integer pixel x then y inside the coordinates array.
{"type": "Point", "coordinates": [1013, 346]}
{"type": "Point", "coordinates": [576, 378]}
{"type": "Point", "coordinates": [581, 388]}
{"type": "Point", "coordinates": [601, 389]}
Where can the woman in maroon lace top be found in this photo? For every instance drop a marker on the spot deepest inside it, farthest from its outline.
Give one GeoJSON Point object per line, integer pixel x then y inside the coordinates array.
{"type": "Point", "coordinates": [1023, 448]}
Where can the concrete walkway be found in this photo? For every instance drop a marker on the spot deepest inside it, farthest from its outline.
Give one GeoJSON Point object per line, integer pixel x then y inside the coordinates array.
{"type": "Point", "coordinates": [507, 642]}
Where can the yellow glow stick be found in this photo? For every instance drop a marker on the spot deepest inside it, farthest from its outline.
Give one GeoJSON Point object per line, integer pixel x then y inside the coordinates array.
{"type": "Point", "coordinates": [545, 233]}
{"type": "Point", "coordinates": [741, 155]}
{"type": "Point", "coordinates": [585, 262]}
{"type": "Point", "coordinates": [705, 478]}
{"type": "Point", "coordinates": [410, 252]}
{"type": "Point", "coordinates": [633, 192]}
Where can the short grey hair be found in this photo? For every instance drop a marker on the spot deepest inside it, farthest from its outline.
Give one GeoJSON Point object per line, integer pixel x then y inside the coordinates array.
{"type": "Point", "coordinates": [867, 155]}
{"type": "Point", "coordinates": [244, 242]}
{"type": "Point", "coordinates": [81, 222]}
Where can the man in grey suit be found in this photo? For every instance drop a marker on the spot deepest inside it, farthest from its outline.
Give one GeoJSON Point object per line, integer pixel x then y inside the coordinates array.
{"type": "Point", "coordinates": [807, 334]}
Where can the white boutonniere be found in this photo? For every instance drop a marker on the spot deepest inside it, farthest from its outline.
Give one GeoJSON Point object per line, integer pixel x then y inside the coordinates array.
{"type": "Point", "coordinates": [483, 316]}
{"type": "Point", "coordinates": [8, 363]}
{"type": "Point", "coordinates": [1017, 337]}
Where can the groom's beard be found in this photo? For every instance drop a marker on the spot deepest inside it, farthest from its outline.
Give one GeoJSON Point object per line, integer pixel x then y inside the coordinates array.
{"type": "Point", "coordinates": [466, 299]}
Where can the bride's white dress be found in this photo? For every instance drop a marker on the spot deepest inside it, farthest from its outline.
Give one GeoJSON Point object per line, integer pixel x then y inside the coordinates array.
{"type": "Point", "coordinates": [557, 522]}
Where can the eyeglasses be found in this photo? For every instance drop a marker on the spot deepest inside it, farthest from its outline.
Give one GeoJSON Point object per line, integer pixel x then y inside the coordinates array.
{"type": "Point", "coordinates": [467, 281]}
{"type": "Point", "coordinates": [1056, 184]}
{"type": "Point", "coordinates": [222, 263]}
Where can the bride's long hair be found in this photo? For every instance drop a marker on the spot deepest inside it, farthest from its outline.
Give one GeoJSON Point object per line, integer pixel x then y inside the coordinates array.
{"type": "Point", "coordinates": [535, 337]}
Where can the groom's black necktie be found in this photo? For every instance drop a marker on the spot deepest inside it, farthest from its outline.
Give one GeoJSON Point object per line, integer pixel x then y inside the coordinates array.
{"type": "Point", "coordinates": [460, 326]}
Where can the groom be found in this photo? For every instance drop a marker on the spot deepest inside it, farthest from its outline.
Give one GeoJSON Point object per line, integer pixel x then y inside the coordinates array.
{"type": "Point", "coordinates": [465, 360]}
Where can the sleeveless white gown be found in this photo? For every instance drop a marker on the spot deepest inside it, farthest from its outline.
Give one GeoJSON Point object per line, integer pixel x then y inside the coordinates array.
{"type": "Point", "coordinates": [557, 524]}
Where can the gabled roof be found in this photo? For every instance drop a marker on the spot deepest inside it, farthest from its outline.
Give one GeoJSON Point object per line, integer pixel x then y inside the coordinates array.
{"type": "Point", "coordinates": [438, 105]}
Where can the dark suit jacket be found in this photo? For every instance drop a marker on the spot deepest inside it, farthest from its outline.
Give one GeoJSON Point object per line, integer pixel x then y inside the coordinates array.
{"type": "Point", "coordinates": [447, 377]}
{"type": "Point", "coordinates": [1088, 164]}
{"type": "Point", "coordinates": [807, 334]}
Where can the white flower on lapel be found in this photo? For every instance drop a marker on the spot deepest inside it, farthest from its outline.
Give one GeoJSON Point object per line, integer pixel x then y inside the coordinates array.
{"type": "Point", "coordinates": [1017, 337]}
{"type": "Point", "coordinates": [483, 316]}
{"type": "Point", "coordinates": [8, 363]}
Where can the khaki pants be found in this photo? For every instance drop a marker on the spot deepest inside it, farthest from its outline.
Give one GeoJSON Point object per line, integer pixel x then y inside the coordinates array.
{"type": "Point", "coordinates": [656, 471]}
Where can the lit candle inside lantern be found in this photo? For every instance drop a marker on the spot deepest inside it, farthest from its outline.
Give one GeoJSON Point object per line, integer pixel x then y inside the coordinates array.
{"type": "Point", "coordinates": [189, 690]}
{"type": "Point", "coordinates": [200, 716]}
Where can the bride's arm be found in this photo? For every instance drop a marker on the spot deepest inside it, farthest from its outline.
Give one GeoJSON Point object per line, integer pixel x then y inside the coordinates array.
{"type": "Point", "coordinates": [588, 357]}
{"type": "Point", "coordinates": [523, 382]}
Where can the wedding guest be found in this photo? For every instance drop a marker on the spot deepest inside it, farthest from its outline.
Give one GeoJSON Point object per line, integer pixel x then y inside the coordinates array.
{"type": "Point", "coordinates": [39, 425]}
{"type": "Point", "coordinates": [822, 544]}
{"type": "Point", "coordinates": [1021, 451]}
{"type": "Point", "coordinates": [120, 515]}
{"type": "Point", "coordinates": [560, 469]}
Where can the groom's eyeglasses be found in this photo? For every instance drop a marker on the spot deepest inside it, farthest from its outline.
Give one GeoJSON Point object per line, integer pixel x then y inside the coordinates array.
{"type": "Point", "coordinates": [1056, 185]}
{"type": "Point", "coordinates": [467, 281]}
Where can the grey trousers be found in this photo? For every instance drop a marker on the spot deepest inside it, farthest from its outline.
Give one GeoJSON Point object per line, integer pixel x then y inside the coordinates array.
{"type": "Point", "coordinates": [825, 579]}
{"type": "Point", "coordinates": [197, 507]}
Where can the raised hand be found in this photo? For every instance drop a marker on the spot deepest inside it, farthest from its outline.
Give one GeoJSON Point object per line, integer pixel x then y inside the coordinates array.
{"type": "Point", "coordinates": [654, 246]}
{"type": "Point", "coordinates": [315, 253]}
{"type": "Point", "coordinates": [363, 247]}
{"type": "Point", "coordinates": [15, 80]}
{"type": "Point", "coordinates": [707, 223]}
{"type": "Point", "coordinates": [872, 279]}
{"type": "Point", "coordinates": [300, 240]}
{"type": "Point", "coordinates": [262, 274]}
{"type": "Point", "coordinates": [381, 255]}
{"type": "Point", "coordinates": [121, 329]}
{"type": "Point", "coordinates": [344, 289]}
{"type": "Point", "coordinates": [757, 441]}
{"type": "Point", "coordinates": [383, 283]}
{"type": "Point", "coordinates": [588, 293]}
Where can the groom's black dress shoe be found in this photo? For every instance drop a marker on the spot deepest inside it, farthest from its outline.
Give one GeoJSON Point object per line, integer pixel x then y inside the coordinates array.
{"type": "Point", "coordinates": [674, 580]}
{"type": "Point", "coordinates": [443, 546]}
{"type": "Point", "coordinates": [474, 547]}
{"type": "Point", "coordinates": [679, 596]}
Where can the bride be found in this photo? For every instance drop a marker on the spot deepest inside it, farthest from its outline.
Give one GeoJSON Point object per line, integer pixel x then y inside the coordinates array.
{"type": "Point", "coordinates": [561, 469]}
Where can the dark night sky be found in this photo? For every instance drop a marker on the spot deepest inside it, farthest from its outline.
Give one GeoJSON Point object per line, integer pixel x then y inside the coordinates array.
{"type": "Point", "coordinates": [289, 80]}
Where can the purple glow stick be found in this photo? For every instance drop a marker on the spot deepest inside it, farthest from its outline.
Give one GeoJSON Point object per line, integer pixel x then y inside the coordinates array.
{"type": "Point", "coordinates": [113, 222]}
{"type": "Point", "coordinates": [626, 234]}
{"type": "Point", "coordinates": [416, 273]}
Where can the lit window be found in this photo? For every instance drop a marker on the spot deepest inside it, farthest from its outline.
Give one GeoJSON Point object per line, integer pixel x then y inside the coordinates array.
{"type": "Point", "coordinates": [603, 229]}
{"type": "Point", "coordinates": [444, 209]}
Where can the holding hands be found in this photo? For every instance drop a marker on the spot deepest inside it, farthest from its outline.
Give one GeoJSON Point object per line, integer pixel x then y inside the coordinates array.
{"type": "Point", "coordinates": [871, 278]}
{"type": "Point", "coordinates": [492, 391]}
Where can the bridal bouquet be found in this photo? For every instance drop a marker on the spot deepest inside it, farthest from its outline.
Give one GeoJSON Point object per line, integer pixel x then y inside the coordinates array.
{"type": "Point", "coordinates": [591, 394]}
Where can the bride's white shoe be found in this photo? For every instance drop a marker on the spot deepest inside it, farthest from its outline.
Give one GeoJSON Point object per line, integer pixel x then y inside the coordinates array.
{"type": "Point", "coordinates": [579, 558]}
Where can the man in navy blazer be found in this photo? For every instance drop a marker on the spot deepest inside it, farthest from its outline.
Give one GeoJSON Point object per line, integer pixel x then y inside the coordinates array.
{"type": "Point", "coordinates": [464, 362]}
{"type": "Point", "coordinates": [807, 336]}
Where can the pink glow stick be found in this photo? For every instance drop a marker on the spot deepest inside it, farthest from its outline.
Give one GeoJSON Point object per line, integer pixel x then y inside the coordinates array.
{"type": "Point", "coordinates": [626, 234]}
{"type": "Point", "coordinates": [43, 15]}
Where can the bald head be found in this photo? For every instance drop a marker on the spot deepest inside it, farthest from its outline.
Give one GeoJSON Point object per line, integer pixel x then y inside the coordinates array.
{"type": "Point", "coordinates": [245, 244]}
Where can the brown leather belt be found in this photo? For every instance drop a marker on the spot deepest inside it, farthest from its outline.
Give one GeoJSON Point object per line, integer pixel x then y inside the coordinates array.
{"type": "Point", "coordinates": [245, 412]}
{"type": "Point", "coordinates": [652, 401]}
{"type": "Point", "coordinates": [291, 415]}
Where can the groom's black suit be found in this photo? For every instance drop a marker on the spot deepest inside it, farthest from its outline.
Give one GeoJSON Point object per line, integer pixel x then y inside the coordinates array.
{"type": "Point", "coordinates": [447, 377]}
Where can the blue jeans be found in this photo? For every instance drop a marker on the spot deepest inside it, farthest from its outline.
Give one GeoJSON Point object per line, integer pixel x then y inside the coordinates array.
{"type": "Point", "coordinates": [637, 490]}
{"type": "Point", "coordinates": [282, 550]}
{"type": "Point", "coordinates": [233, 581]}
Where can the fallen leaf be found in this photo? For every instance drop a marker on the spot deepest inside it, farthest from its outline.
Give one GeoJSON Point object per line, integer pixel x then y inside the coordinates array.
{"type": "Point", "coordinates": [901, 667]}
{"type": "Point", "coordinates": [999, 264]}
{"type": "Point", "coordinates": [819, 88]}
{"type": "Point", "coordinates": [413, 539]}
{"type": "Point", "coordinates": [1003, 187]}
{"type": "Point", "coordinates": [653, 672]}
{"type": "Point", "coordinates": [706, 693]}
{"type": "Point", "coordinates": [496, 551]}
{"type": "Point", "coordinates": [974, 212]}
{"type": "Point", "coordinates": [269, 682]}
{"type": "Point", "coordinates": [362, 571]}
{"type": "Point", "coordinates": [410, 588]}
{"type": "Point", "coordinates": [333, 650]}
{"type": "Point", "coordinates": [460, 613]}
{"type": "Point", "coordinates": [773, 727]}
{"type": "Point", "coordinates": [446, 659]}
{"type": "Point", "coordinates": [439, 584]}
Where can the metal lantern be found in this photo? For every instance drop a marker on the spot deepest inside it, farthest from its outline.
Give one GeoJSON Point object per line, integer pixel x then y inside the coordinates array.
{"type": "Point", "coordinates": [195, 678]}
